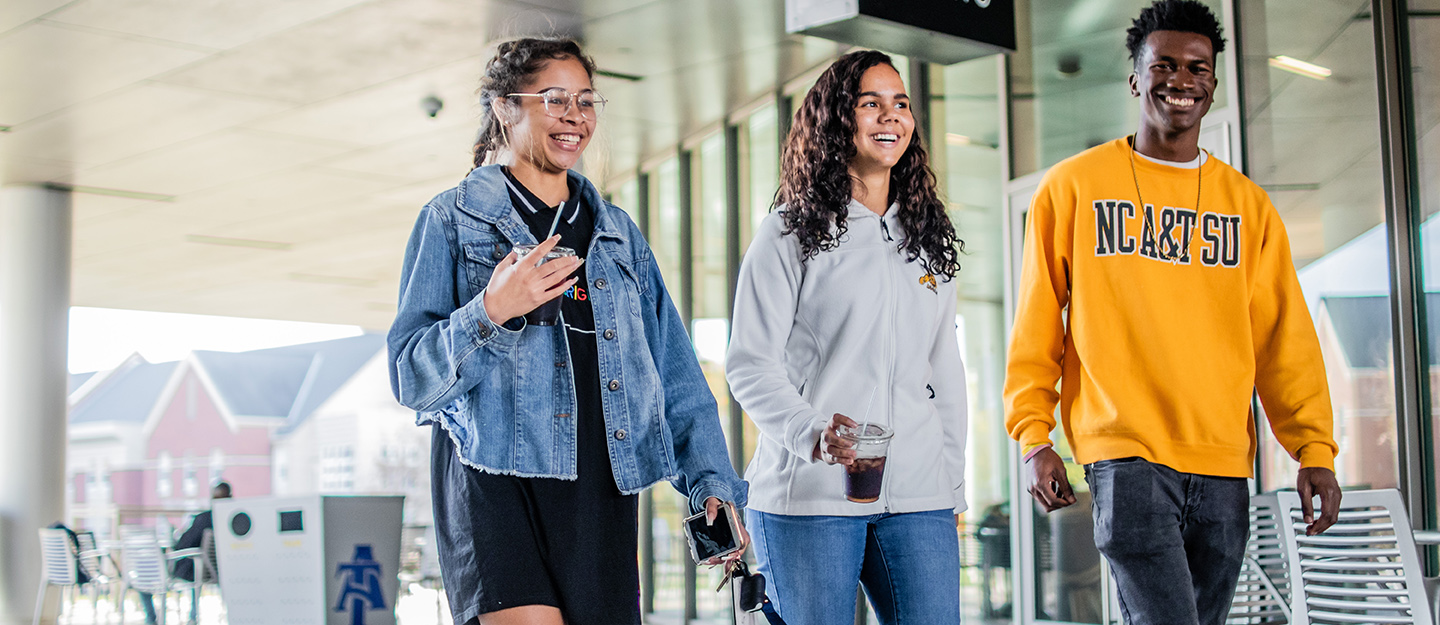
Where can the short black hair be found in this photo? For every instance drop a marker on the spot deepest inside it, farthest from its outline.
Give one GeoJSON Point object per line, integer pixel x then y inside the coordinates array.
{"type": "Point", "coordinates": [1186, 16]}
{"type": "Point", "coordinates": [221, 490]}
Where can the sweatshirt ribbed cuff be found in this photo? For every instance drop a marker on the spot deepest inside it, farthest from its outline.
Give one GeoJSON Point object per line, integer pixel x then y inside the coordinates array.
{"type": "Point", "coordinates": [1317, 455]}
{"type": "Point", "coordinates": [1032, 434]}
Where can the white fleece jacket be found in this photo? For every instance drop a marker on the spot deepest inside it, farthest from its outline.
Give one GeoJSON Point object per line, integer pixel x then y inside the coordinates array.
{"type": "Point", "coordinates": [814, 338]}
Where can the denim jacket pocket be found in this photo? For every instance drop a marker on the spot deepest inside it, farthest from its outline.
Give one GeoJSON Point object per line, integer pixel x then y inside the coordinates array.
{"type": "Point", "coordinates": [481, 256]}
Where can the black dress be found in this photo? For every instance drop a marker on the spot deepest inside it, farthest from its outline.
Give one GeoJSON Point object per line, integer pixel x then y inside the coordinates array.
{"type": "Point", "coordinates": [507, 541]}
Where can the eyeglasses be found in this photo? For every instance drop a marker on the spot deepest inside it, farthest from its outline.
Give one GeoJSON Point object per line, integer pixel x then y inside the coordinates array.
{"type": "Point", "coordinates": [557, 102]}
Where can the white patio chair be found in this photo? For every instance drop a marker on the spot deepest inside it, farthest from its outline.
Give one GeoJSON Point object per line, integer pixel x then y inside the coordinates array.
{"type": "Point", "coordinates": [1262, 595]}
{"type": "Point", "coordinates": [147, 568]}
{"type": "Point", "coordinates": [1364, 569]}
{"type": "Point", "coordinates": [92, 561]}
{"type": "Point", "coordinates": [57, 568]}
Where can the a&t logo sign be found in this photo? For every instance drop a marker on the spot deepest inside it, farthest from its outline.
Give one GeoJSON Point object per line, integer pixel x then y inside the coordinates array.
{"type": "Point", "coordinates": [360, 586]}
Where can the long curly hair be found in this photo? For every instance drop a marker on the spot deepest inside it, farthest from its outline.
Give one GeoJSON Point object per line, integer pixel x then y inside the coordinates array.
{"type": "Point", "coordinates": [815, 182]}
{"type": "Point", "coordinates": [514, 63]}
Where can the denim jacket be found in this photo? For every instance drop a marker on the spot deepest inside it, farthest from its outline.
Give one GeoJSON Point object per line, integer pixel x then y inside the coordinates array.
{"type": "Point", "coordinates": [506, 394]}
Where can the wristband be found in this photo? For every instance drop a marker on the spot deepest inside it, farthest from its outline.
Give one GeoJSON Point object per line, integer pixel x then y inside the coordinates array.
{"type": "Point", "coordinates": [1035, 449]}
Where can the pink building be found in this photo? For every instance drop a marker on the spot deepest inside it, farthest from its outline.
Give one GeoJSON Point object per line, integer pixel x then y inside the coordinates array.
{"type": "Point", "coordinates": [148, 437]}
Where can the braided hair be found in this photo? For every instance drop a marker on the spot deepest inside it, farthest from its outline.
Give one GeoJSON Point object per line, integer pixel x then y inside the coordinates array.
{"type": "Point", "coordinates": [514, 63]}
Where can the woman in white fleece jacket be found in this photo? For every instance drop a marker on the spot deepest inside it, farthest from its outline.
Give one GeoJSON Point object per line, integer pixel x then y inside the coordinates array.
{"type": "Point", "coordinates": [846, 292]}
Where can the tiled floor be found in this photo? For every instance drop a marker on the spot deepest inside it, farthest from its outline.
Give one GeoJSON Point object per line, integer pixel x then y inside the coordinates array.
{"type": "Point", "coordinates": [417, 606]}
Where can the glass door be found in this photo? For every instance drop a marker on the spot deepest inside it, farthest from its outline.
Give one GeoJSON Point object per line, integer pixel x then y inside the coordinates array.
{"type": "Point", "coordinates": [1060, 575]}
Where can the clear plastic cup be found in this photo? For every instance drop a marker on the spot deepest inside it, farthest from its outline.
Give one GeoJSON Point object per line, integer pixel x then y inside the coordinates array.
{"type": "Point", "coordinates": [547, 314]}
{"type": "Point", "coordinates": [864, 477]}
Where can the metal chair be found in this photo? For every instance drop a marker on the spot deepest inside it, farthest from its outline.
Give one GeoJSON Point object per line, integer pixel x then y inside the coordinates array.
{"type": "Point", "coordinates": [147, 568]}
{"type": "Point", "coordinates": [58, 567]}
{"type": "Point", "coordinates": [1262, 595]}
{"type": "Point", "coordinates": [209, 573]}
{"type": "Point", "coordinates": [1364, 569]}
{"type": "Point", "coordinates": [91, 560]}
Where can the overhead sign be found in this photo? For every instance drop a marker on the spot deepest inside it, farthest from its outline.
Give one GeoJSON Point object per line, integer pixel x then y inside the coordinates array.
{"type": "Point", "coordinates": [938, 31]}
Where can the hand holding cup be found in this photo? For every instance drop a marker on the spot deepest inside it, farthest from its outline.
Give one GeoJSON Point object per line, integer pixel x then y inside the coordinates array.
{"type": "Point", "coordinates": [517, 287]}
{"type": "Point", "coordinates": [832, 448]}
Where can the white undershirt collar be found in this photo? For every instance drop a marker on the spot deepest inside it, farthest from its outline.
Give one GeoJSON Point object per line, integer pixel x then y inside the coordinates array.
{"type": "Point", "coordinates": [1190, 164]}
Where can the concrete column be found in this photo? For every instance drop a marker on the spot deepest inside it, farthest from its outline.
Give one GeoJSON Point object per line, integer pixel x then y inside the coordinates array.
{"type": "Point", "coordinates": [34, 315]}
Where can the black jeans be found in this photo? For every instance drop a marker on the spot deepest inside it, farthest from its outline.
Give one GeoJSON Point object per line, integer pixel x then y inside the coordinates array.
{"type": "Point", "coordinates": [1175, 541]}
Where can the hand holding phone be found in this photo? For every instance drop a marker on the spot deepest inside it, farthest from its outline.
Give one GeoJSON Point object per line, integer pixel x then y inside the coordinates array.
{"type": "Point", "coordinates": [712, 540]}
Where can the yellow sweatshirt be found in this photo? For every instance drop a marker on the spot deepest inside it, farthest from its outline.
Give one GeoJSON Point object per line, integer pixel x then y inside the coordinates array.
{"type": "Point", "coordinates": [1175, 316]}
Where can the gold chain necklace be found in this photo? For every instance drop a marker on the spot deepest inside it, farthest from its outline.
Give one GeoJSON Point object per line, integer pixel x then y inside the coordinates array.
{"type": "Point", "coordinates": [1179, 245]}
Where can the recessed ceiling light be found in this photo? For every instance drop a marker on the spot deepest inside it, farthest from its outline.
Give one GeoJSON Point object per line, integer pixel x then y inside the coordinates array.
{"type": "Point", "coordinates": [619, 75]}
{"type": "Point", "coordinates": [134, 195]}
{"type": "Point", "coordinates": [232, 242]}
{"type": "Point", "coordinates": [1297, 66]}
{"type": "Point", "coordinates": [959, 139]}
{"type": "Point", "coordinates": [1294, 186]}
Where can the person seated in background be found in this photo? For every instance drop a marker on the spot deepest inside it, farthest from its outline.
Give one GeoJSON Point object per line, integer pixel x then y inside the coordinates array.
{"type": "Point", "coordinates": [81, 577]}
{"type": "Point", "coordinates": [184, 568]}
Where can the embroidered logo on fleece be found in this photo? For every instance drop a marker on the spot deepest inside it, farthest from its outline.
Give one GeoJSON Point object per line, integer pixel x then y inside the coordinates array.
{"type": "Point", "coordinates": [929, 281]}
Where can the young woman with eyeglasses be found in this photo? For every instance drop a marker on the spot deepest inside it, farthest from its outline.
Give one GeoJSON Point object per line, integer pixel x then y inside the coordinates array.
{"type": "Point", "coordinates": [544, 434]}
{"type": "Point", "coordinates": [845, 315]}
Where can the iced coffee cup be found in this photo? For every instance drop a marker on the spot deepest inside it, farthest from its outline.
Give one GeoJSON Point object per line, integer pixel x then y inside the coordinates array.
{"type": "Point", "coordinates": [546, 314]}
{"type": "Point", "coordinates": [863, 478]}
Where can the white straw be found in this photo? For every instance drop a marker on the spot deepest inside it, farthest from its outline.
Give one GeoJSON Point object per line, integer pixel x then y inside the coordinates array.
{"type": "Point", "coordinates": [865, 421]}
{"type": "Point", "coordinates": [558, 210]}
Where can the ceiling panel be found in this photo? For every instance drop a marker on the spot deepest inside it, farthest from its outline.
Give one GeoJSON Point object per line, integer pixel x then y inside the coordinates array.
{"type": "Point", "coordinates": [13, 13]}
{"type": "Point", "coordinates": [208, 162]}
{"type": "Point", "coordinates": [131, 121]}
{"type": "Point", "coordinates": [440, 153]}
{"type": "Point", "coordinates": [47, 67]}
{"type": "Point", "coordinates": [219, 24]}
{"type": "Point", "coordinates": [390, 111]}
{"type": "Point", "coordinates": [373, 43]}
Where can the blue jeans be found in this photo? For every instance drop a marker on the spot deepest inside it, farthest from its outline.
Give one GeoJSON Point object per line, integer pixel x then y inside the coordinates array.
{"type": "Point", "coordinates": [1164, 531]}
{"type": "Point", "coordinates": [908, 563]}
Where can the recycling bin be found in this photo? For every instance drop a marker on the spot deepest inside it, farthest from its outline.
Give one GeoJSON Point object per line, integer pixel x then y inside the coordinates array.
{"type": "Point", "coordinates": [316, 560]}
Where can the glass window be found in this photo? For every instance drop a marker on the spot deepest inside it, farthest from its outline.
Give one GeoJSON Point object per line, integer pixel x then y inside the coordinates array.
{"type": "Point", "coordinates": [762, 147]}
{"type": "Point", "coordinates": [1425, 58]}
{"type": "Point", "coordinates": [1312, 144]}
{"type": "Point", "coordinates": [1068, 78]}
{"type": "Point", "coordinates": [709, 330]}
{"type": "Point", "coordinates": [626, 196]}
{"type": "Point", "coordinates": [665, 224]}
{"type": "Point", "coordinates": [964, 147]}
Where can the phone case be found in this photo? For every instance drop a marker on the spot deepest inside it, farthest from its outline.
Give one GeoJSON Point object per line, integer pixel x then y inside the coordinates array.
{"type": "Point", "coordinates": [690, 536]}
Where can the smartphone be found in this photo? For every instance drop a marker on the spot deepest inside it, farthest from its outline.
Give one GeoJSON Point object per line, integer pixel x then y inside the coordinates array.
{"type": "Point", "coordinates": [712, 541]}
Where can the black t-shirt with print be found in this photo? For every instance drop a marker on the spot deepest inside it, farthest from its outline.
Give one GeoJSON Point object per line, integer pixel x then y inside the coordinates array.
{"type": "Point", "coordinates": [577, 224]}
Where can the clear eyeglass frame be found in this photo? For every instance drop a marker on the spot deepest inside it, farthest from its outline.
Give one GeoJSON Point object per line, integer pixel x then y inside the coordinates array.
{"type": "Point", "coordinates": [558, 102]}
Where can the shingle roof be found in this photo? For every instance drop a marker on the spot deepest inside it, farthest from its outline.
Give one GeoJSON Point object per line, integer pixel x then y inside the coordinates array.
{"type": "Point", "coordinates": [78, 380]}
{"type": "Point", "coordinates": [1362, 327]}
{"type": "Point", "coordinates": [128, 395]}
{"type": "Point", "coordinates": [287, 382]}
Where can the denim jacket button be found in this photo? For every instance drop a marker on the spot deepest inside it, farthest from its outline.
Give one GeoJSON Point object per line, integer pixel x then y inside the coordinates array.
{"type": "Point", "coordinates": [484, 331]}
{"type": "Point", "coordinates": [609, 335]}
{"type": "Point", "coordinates": [559, 364]}
{"type": "Point", "coordinates": [499, 251]}
{"type": "Point", "coordinates": [614, 385]}
{"type": "Point", "coordinates": [599, 283]}
{"type": "Point", "coordinates": [619, 435]}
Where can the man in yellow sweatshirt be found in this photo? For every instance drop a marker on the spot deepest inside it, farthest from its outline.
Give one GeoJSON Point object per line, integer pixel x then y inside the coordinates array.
{"type": "Point", "coordinates": [1158, 290]}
